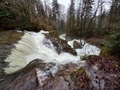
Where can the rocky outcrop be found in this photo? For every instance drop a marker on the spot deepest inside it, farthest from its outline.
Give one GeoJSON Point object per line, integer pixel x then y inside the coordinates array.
{"type": "Point", "coordinates": [60, 44]}
{"type": "Point", "coordinates": [104, 72]}
{"type": "Point", "coordinates": [99, 73]}
{"type": "Point", "coordinates": [37, 75]}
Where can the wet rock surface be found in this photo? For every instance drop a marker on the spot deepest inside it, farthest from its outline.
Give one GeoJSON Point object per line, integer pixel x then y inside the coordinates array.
{"type": "Point", "coordinates": [37, 75]}
{"type": "Point", "coordinates": [104, 72]}
{"type": "Point", "coordinates": [60, 44]}
{"type": "Point", "coordinates": [76, 45]}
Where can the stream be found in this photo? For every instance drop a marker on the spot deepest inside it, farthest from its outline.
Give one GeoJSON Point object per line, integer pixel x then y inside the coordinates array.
{"type": "Point", "coordinates": [35, 46]}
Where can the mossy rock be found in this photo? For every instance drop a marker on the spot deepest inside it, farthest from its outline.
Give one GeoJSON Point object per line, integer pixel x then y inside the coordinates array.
{"type": "Point", "coordinates": [85, 57]}
{"type": "Point", "coordinates": [60, 44]}
{"type": "Point", "coordinates": [76, 45]}
{"type": "Point", "coordinates": [105, 51]}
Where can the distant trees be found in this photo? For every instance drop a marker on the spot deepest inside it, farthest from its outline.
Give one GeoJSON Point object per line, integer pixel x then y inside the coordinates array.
{"type": "Point", "coordinates": [85, 18]}
{"type": "Point", "coordinates": [79, 20]}
{"type": "Point", "coordinates": [89, 18]}
{"type": "Point", "coordinates": [114, 15]}
{"type": "Point", "coordinates": [58, 18]}
{"type": "Point", "coordinates": [55, 9]}
{"type": "Point", "coordinates": [71, 18]}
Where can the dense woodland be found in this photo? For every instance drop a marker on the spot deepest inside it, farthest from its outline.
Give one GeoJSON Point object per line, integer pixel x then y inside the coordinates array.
{"type": "Point", "coordinates": [84, 18]}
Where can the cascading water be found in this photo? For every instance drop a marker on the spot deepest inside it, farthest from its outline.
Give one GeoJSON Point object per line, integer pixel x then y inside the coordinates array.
{"type": "Point", "coordinates": [33, 46]}
{"type": "Point", "coordinates": [87, 49]}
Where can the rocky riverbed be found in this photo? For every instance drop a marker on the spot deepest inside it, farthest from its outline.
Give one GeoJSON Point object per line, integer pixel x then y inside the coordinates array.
{"type": "Point", "coordinates": [96, 73]}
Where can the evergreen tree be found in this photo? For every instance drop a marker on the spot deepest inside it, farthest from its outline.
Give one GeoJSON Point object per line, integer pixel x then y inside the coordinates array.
{"type": "Point", "coordinates": [71, 19]}
{"type": "Point", "coordinates": [55, 9]}
{"type": "Point", "coordinates": [114, 14]}
{"type": "Point", "coordinates": [40, 9]}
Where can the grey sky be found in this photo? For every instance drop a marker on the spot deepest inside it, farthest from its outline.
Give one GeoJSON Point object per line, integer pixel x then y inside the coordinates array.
{"type": "Point", "coordinates": [64, 2]}
{"type": "Point", "coordinates": [67, 3]}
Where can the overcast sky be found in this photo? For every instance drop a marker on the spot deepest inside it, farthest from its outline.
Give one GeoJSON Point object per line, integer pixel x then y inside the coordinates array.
{"type": "Point", "coordinates": [66, 3]}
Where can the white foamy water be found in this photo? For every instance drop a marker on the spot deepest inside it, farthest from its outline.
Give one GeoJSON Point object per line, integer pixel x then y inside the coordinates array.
{"type": "Point", "coordinates": [62, 36]}
{"type": "Point", "coordinates": [33, 46]}
{"type": "Point", "coordinates": [30, 47]}
{"type": "Point", "coordinates": [87, 49]}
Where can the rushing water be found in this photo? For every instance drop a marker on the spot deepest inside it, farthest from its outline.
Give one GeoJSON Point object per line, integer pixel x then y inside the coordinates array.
{"type": "Point", "coordinates": [32, 46]}
{"type": "Point", "coordinates": [87, 49]}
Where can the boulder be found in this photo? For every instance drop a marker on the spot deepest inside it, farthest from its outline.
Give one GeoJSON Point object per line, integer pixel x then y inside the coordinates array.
{"type": "Point", "coordinates": [76, 45]}
{"type": "Point", "coordinates": [105, 51]}
{"type": "Point", "coordinates": [98, 73]}
{"type": "Point", "coordinates": [60, 44]}
{"type": "Point", "coordinates": [37, 75]}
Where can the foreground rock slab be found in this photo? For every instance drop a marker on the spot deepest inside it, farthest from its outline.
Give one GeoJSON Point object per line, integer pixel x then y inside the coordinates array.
{"type": "Point", "coordinates": [37, 75]}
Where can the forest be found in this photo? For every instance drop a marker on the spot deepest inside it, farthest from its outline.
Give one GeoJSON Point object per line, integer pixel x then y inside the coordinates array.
{"type": "Point", "coordinates": [83, 22]}
{"type": "Point", "coordinates": [85, 18]}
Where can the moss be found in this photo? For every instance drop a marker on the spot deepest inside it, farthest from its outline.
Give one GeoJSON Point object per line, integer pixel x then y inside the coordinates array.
{"type": "Point", "coordinates": [105, 51]}
{"type": "Point", "coordinates": [85, 57]}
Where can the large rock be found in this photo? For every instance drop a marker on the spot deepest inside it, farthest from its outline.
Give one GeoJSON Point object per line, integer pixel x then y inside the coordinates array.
{"type": "Point", "coordinates": [76, 45]}
{"type": "Point", "coordinates": [99, 73]}
{"type": "Point", "coordinates": [37, 75]}
{"type": "Point", "coordinates": [60, 44]}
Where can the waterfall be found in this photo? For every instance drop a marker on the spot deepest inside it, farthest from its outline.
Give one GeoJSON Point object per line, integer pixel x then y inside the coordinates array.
{"type": "Point", "coordinates": [32, 46]}
{"type": "Point", "coordinates": [35, 46]}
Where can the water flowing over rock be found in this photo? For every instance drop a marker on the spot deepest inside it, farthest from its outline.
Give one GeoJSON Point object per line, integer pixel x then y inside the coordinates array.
{"type": "Point", "coordinates": [37, 75]}
{"type": "Point", "coordinates": [60, 44]}
{"type": "Point", "coordinates": [37, 45]}
{"type": "Point", "coordinates": [43, 61]}
{"type": "Point", "coordinates": [7, 41]}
